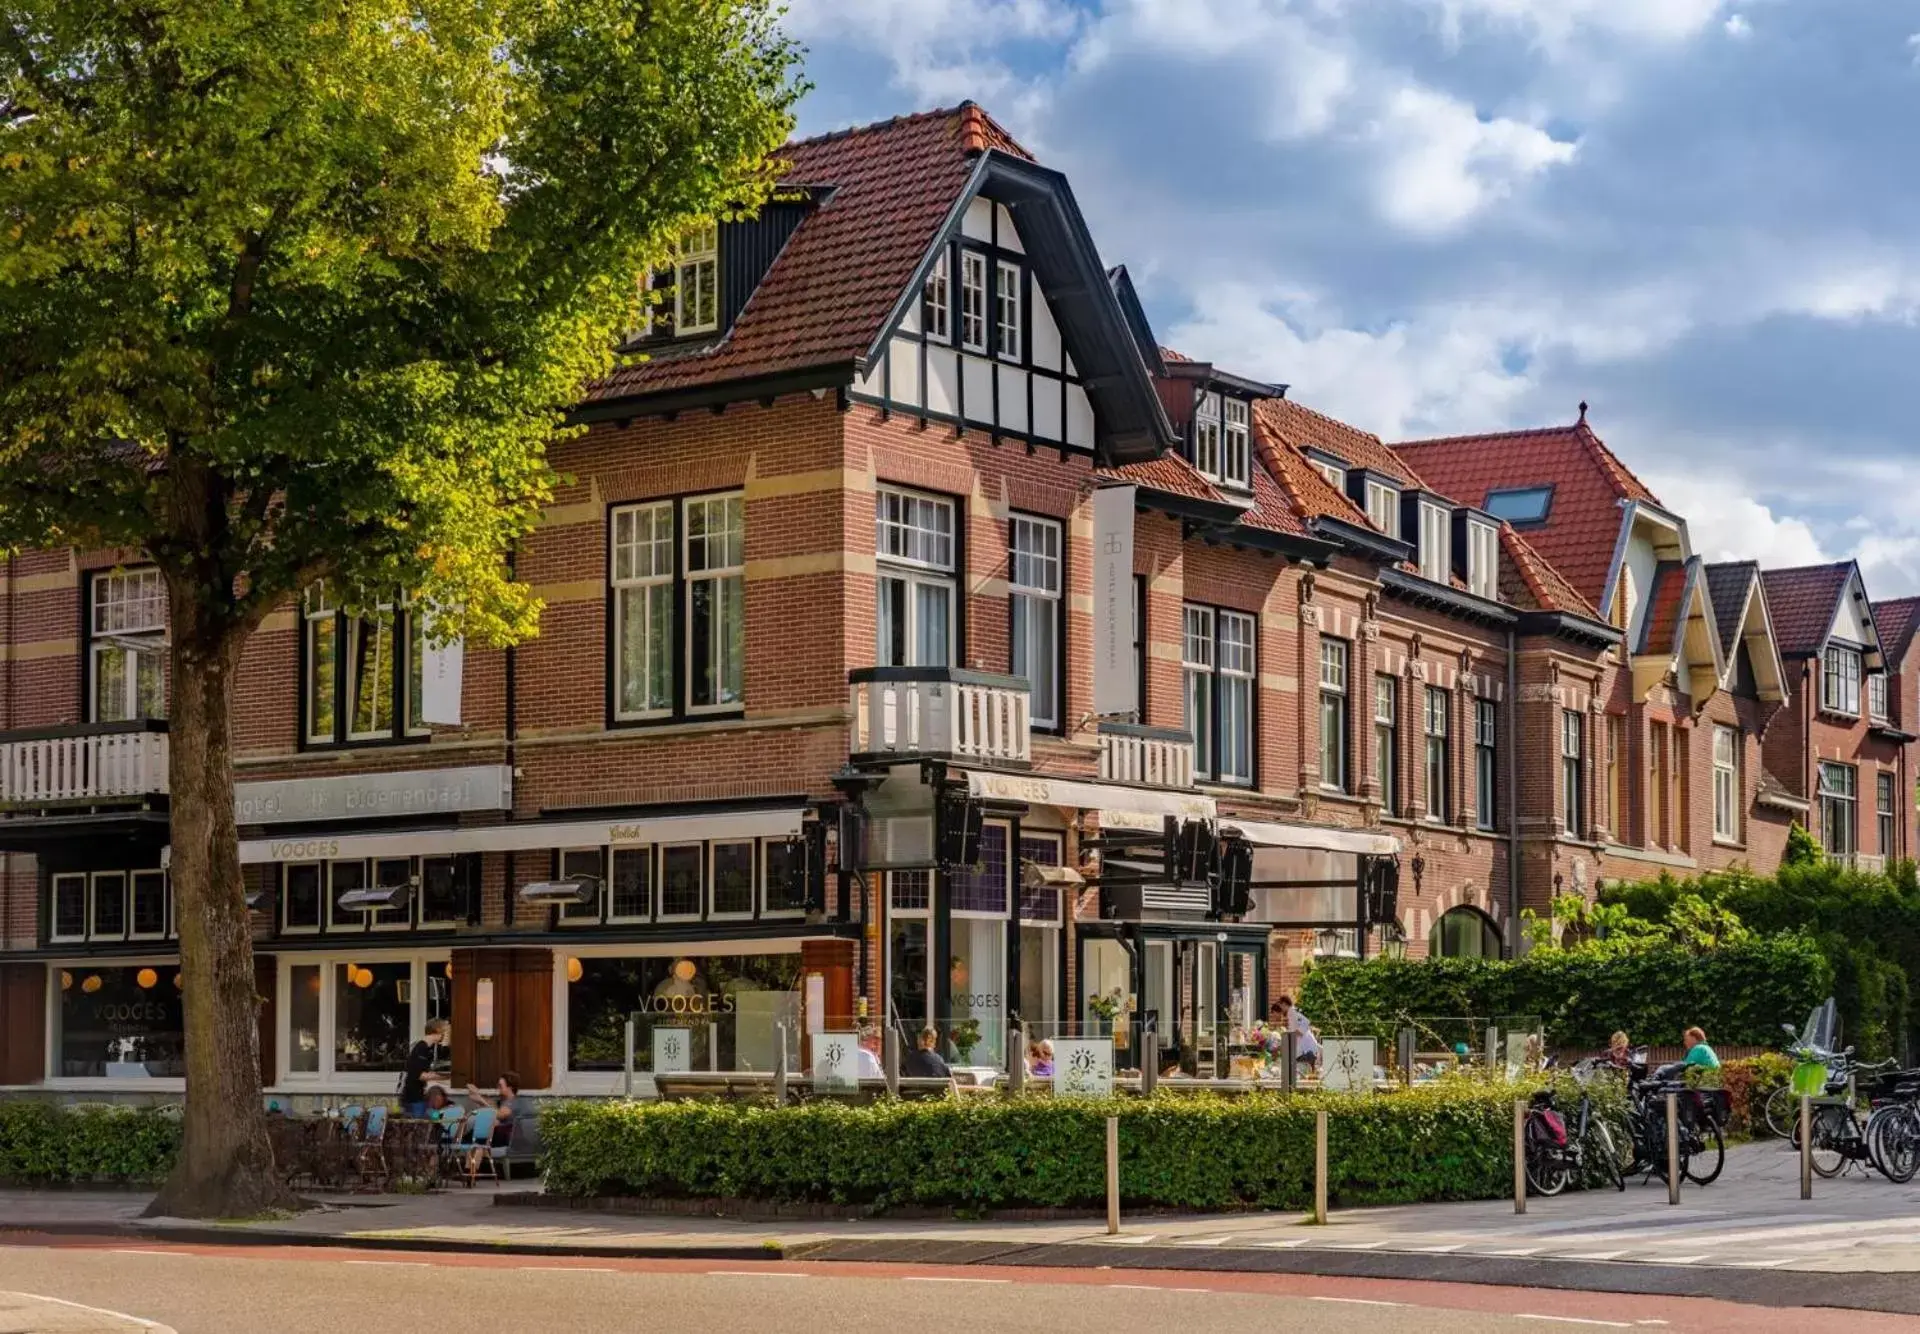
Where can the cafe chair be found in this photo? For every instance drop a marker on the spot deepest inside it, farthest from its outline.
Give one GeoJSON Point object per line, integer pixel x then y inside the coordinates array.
{"type": "Point", "coordinates": [476, 1146]}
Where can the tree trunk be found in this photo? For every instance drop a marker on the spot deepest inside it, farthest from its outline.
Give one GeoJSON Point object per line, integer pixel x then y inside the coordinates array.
{"type": "Point", "coordinates": [226, 1167]}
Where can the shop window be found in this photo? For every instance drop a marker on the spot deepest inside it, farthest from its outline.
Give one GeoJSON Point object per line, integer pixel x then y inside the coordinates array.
{"type": "Point", "coordinates": [372, 1017]}
{"type": "Point", "coordinates": [733, 879]}
{"type": "Point", "coordinates": [301, 897]}
{"type": "Point", "coordinates": [1040, 938]}
{"type": "Point", "coordinates": [682, 880]}
{"type": "Point", "coordinates": [910, 994]}
{"type": "Point", "coordinates": [630, 887]}
{"type": "Point", "coordinates": [119, 1023]}
{"type": "Point", "coordinates": [303, 1019]}
{"type": "Point", "coordinates": [442, 892]}
{"type": "Point", "coordinates": [730, 1005]}
{"type": "Point", "coordinates": [148, 915]}
{"type": "Point", "coordinates": [983, 887]}
{"type": "Point", "coordinates": [107, 917]}
{"type": "Point", "coordinates": [69, 908]}
{"type": "Point", "coordinates": [1464, 933]}
{"type": "Point", "coordinates": [584, 865]}
{"type": "Point", "coordinates": [780, 856]}
{"type": "Point", "coordinates": [344, 878]}
{"type": "Point", "coordinates": [353, 1017]}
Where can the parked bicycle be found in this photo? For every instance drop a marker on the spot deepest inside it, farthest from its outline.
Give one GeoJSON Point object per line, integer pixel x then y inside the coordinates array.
{"type": "Point", "coordinates": [1558, 1153]}
{"type": "Point", "coordinates": [1887, 1141]}
{"type": "Point", "coordinates": [1817, 1073]}
{"type": "Point", "coordinates": [1702, 1117]}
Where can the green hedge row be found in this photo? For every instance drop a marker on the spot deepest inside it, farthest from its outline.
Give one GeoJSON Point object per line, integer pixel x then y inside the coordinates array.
{"type": "Point", "coordinates": [1739, 993]}
{"type": "Point", "coordinates": [1450, 1141]}
{"type": "Point", "coordinates": [41, 1145]}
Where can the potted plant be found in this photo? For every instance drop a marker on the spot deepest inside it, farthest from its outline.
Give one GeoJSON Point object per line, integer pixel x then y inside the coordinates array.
{"type": "Point", "coordinates": [965, 1035]}
{"type": "Point", "coordinates": [1105, 1008]}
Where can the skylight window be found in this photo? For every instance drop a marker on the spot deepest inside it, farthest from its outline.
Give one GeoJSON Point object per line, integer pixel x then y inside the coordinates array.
{"type": "Point", "coordinates": [1526, 504]}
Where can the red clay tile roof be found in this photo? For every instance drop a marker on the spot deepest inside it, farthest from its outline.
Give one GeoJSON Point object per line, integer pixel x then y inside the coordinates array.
{"type": "Point", "coordinates": [824, 298]}
{"type": "Point", "coordinates": [1666, 609]}
{"type": "Point", "coordinates": [1303, 428]}
{"type": "Point", "coordinates": [1589, 482]}
{"type": "Point", "coordinates": [1271, 508]}
{"type": "Point", "coordinates": [1527, 581]}
{"type": "Point", "coordinates": [1310, 494]}
{"type": "Point", "coordinates": [1170, 473]}
{"type": "Point", "coordinates": [1801, 602]}
{"type": "Point", "coordinates": [1895, 621]}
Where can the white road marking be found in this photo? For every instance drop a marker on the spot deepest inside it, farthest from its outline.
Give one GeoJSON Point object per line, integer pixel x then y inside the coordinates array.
{"type": "Point", "coordinates": [936, 1278]}
{"type": "Point", "coordinates": [1439, 1250]}
{"type": "Point", "coordinates": [572, 1269]}
{"type": "Point", "coordinates": [1285, 1245]}
{"type": "Point", "coordinates": [1521, 1250]}
{"type": "Point", "coordinates": [1593, 1255]}
{"type": "Point", "coordinates": [1575, 1320]}
{"type": "Point", "coordinates": [1756, 1264]}
{"type": "Point", "coordinates": [1131, 1241]}
{"type": "Point", "coordinates": [141, 1321]}
{"type": "Point", "coordinates": [129, 1250]}
{"type": "Point", "coordinates": [1354, 1301]}
{"type": "Point", "coordinates": [752, 1273]}
{"type": "Point", "coordinates": [396, 1264]}
{"type": "Point", "coordinates": [1677, 1259]}
{"type": "Point", "coordinates": [1206, 1241]}
{"type": "Point", "coordinates": [1355, 1245]}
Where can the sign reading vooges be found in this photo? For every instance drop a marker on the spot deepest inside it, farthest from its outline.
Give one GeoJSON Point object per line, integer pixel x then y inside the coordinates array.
{"type": "Point", "coordinates": [486, 787]}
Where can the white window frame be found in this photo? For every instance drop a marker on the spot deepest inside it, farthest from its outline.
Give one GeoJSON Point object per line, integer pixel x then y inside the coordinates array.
{"type": "Point", "coordinates": [129, 605]}
{"type": "Point", "coordinates": [286, 874]}
{"type": "Point", "coordinates": [696, 267]}
{"type": "Point", "coordinates": [1236, 455]}
{"type": "Point", "coordinates": [1034, 579]}
{"type": "Point", "coordinates": [645, 851]}
{"type": "Point", "coordinates": [582, 914]}
{"type": "Point", "coordinates": [1196, 663]}
{"type": "Point", "coordinates": [1007, 301]}
{"type": "Point", "coordinates": [149, 874]}
{"type": "Point", "coordinates": [1386, 741]}
{"type": "Point", "coordinates": [1886, 807]}
{"type": "Point", "coordinates": [895, 538]}
{"type": "Point", "coordinates": [729, 581]}
{"type": "Point", "coordinates": [1336, 475]}
{"type": "Point", "coordinates": [936, 302]}
{"type": "Point", "coordinates": [1726, 784]}
{"type": "Point", "coordinates": [973, 300]}
{"type": "Point", "coordinates": [1335, 662]}
{"type": "Point", "coordinates": [1572, 777]}
{"type": "Point", "coordinates": [766, 880]}
{"type": "Point", "coordinates": [1839, 796]}
{"type": "Point", "coordinates": [1206, 435]}
{"type": "Point", "coordinates": [319, 614]}
{"type": "Point", "coordinates": [712, 879]}
{"type": "Point", "coordinates": [660, 914]}
{"type": "Point", "coordinates": [1437, 726]}
{"type": "Point", "coordinates": [627, 555]}
{"type": "Point", "coordinates": [1383, 507]}
{"type": "Point", "coordinates": [1877, 697]}
{"type": "Point", "coordinates": [1840, 680]}
{"type": "Point", "coordinates": [420, 893]}
{"type": "Point", "coordinates": [1436, 543]}
{"type": "Point", "coordinates": [376, 1082]}
{"type": "Point", "coordinates": [1483, 560]}
{"type": "Point", "coordinates": [126, 903]}
{"type": "Point", "coordinates": [383, 614]}
{"type": "Point", "coordinates": [1486, 763]}
{"type": "Point", "coordinates": [74, 882]}
{"type": "Point", "coordinates": [361, 922]}
{"type": "Point", "coordinates": [1238, 657]}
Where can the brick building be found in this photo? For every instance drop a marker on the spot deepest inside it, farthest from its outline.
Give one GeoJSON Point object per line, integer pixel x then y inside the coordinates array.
{"type": "Point", "coordinates": [903, 579]}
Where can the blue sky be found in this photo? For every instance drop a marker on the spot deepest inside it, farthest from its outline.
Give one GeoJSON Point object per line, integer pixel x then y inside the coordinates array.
{"type": "Point", "coordinates": [1703, 216]}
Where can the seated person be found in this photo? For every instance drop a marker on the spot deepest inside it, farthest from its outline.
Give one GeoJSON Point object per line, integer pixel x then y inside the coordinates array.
{"type": "Point", "coordinates": [1040, 1058]}
{"type": "Point", "coordinates": [1699, 1054]}
{"type": "Point", "coordinates": [508, 1105]}
{"type": "Point", "coordinates": [925, 1060]}
{"type": "Point", "coordinates": [867, 1061]}
{"type": "Point", "coordinates": [440, 1110]}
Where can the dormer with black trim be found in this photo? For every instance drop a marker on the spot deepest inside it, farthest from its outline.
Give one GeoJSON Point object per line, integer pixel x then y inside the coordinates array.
{"type": "Point", "coordinates": [1212, 412]}
{"type": "Point", "coordinates": [1375, 493]}
{"type": "Point", "coordinates": [692, 300]}
{"type": "Point", "coordinates": [1426, 524]}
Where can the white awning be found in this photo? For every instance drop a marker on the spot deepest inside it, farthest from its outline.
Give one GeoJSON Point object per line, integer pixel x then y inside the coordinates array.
{"type": "Point", "coordinates": [523, 836]}
{"type": "Point", "coordinates": [1318, 838]}
{"type": "Point", "coordinates": [1120, 806]}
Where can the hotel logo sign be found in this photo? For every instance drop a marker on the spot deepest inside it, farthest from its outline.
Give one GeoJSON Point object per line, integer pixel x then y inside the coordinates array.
{"type": "Point", "coordinates": [411, 792]}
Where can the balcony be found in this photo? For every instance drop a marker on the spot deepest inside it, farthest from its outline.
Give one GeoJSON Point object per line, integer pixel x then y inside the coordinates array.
{"type": "Point", "coordinates": [939, 712]}
{"type": "Point", "coordinates": [92, 764]}
{"type": "Point", "coordinates": [1147, 756]}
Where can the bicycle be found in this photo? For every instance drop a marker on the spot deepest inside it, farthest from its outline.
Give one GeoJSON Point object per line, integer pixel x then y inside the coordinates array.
{"type": "Point", "coordinates": [1558, 1154]}
{"type": "Point", "coordinates": [1816, 1074]}
{"type": "Point", "coordinates": [1702, 1114]}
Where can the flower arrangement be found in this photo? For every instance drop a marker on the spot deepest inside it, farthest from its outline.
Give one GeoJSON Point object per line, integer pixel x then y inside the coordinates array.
{"type": "Point", "coordinates": [1106, 1006]}
{"type": "Point", "coordinates": [965, 1034]}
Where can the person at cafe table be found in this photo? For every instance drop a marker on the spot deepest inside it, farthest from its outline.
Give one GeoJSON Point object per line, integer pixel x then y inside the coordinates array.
{"type": "Point", "coordinates": [420, 1062]}
{"type": "Point", "coordinates": [508, 1105]}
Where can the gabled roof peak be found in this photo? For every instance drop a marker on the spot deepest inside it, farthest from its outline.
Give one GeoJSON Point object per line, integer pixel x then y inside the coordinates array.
{"type": "Point", "coordinates": [978, 130]}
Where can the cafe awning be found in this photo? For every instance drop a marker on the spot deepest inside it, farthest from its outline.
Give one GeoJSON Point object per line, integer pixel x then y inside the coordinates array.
{"type": "Point", "coordinates": [1119, 805]}
{"type": "Point", "coordinates": [1322, 863]}
{"type": "Point", "coordinates": [520, 836]}
{"type": "Point", "coordinates": [1319, 838]}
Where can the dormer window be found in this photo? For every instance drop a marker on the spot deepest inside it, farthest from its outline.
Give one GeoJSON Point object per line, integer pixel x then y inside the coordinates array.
{"type": "Point", "coordinates": [1877, 697]}
{"type": "Point", "coordinates": [1336, 475]}
{"type": "Point", "coordinates": [937, 302]}
{"type": "Point", "coordinates": [1206, 435]}
{"type": "Point", "coordinates": [1436, 531]}
{"type": "Point", "coordinates": [973, 301]}
{"type": "Point", "coordinates": [1006, 306]}
{"type": "Point", "coordinates": [1483, 559]}
{"type": "Point", "coordinates": [1236, 466]}
{"type": "Point", "coordinates": [1383, 508]}
{"type": "Point", "coordinates": [696, 281]}
{"type": "Point", "coordinates": [1520, 505]}
{"type": "Point", "coordinates": [1840, 680]}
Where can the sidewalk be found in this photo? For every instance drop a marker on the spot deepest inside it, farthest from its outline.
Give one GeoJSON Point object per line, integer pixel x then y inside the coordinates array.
{"type": "Point", "coordinates": [1748, 1225]}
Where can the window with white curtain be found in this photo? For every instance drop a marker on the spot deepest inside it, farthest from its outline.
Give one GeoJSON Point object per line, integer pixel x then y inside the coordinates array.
{"type": "Point", "coordinates": [1033, 604]}
{"type": "Point", "coordinates": [643, 547]}
{"type": "Point", "coordinates": [1726, 784]}
{"type": "Point", "coordinates": [1236, 460]}
{"type": "Point", "coordinates": [1197, 657]}
{"type": "Point", "coordinates": [914, 583]}
{"type": "Point", "coordinates": [1333, 714]}
{"type": "Point", "coordinates": [1206, 435]}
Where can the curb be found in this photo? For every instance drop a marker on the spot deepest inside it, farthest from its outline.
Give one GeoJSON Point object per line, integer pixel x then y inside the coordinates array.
{"type": "Point", "coordinates": [253, 1236]}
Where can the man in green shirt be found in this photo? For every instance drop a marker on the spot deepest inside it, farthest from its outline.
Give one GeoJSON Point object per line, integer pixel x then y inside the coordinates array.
{"type": "Point", "coordinates": [1698, 1052]}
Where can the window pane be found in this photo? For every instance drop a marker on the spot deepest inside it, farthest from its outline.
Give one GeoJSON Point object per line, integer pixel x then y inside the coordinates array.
{"type": "Point", "coordinates": [908, 972]}
{"type": "Point", "coordinates": [110, 702]}
{"type": "Point", "coordinates": [441, 897]}
{"type": "Point", "coordinates": [716, 633]}
{"type": "Point", "coordinates": [632, 887]}
{"type": "Point", "coordinates": [372, 1016]}
{"type": "Point", "coordinates": [303, 1018]}
{"type": "Point", "coordinates": [69, 907]}
{"type": "Point", "coordinates": [322, 637]}
{"type": "Point", "coordinates": [111, 1026]}
{"type": "Point", "coordinates": [343, 877]}
{"type": "Point", "coordinates": [1236, 729]}
{"type": "Point", "coordinates": [1199, 720]}
{"type": "Point", "coordinates": [681, 885]}
{"type": "Point", "coordinates": [150, 903]}
{"type": "Point", "coordinates": [370, 675]}
{"type": "Point", "coordinates": [302, 896]}
{"type": "Point", "coordinates": [733, 877]}
{"type": "Point", "coordinates": [110, 905]}
{"type": "Point", "coordinates": [782, 856]}
{"type": "Point", "coordinates": [932, 607]}
{"type": "Point", "coordinates": [891, 608]}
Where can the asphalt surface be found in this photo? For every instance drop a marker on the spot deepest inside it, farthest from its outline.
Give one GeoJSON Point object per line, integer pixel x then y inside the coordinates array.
{"type": "Point", "coordinates": [205, 1289]}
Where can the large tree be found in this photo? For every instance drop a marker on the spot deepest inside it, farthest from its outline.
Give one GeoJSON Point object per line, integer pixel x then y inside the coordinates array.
{"type": "Point", "coordinates": [302, 289]}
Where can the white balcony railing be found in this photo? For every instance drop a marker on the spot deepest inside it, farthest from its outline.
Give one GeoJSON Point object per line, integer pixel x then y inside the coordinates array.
{"type": "Point", "coordinates": [910, 711]}
{"type": "Point", "coordinates": [101, 762]}
{"type": "Point", "coordinates": [1155, 756]}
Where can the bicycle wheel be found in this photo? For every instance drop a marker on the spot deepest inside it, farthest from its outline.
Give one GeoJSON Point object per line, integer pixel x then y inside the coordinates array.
{"type": "Point", "coordinates": [1547, 1172]}
{"type": "Point", "coordinates": [1893, 1142]}
{"type": "Point", "coordinates": [1831, 1131]}
{"type": "Point", "coordinates": [1600, 1137]}
{"type": "Point", "coordinates": [1782, 1112]}
{"type": "Point", "coordinates": [1708, 1156]}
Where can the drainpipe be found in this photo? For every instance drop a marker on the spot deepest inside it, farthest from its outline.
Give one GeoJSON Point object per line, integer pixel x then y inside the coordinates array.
{"type": "Point", "coordinates": [1513, 800]}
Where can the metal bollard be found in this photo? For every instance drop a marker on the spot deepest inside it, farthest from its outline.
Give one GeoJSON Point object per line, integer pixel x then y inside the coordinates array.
{"type": "Point", "coordinates": [1673, 1148]}
{"type": "Point", "coordinates": [626, 1086]}
{"type": "Point", "coordinates": [1519, 1155]}
{"type": "Point", "coordinates": [1289, 1063]}
{"type": "Point", "coordinates": [1320, 1167]}
{"type": "Point", "coordinates": [779, 1065]}
{"type": "Point", "coordinates": [1806, 1146]}
{"type": "Point", "coordinates": [1113, 1175]}
{"type": "Point", "coordinates": [890, 1060]}
{"type": "Point", "coordinates": [1493, 1045]}
{"type": "Point", "coordinates": [1149, 1063]}
{"type": "Point", "coordinates": [1403, 1050]}
{"type": "Point", "coordinates": [1017, 1059]}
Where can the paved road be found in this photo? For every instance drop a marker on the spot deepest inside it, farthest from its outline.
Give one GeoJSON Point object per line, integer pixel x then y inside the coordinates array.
{"type": "Point", "coordinates": [215, 1290]}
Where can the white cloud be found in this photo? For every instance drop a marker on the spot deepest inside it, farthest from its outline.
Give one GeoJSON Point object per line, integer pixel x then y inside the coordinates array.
{"type": "Point", "coordinates": [1725, 523]}
{"type": "Point", "coordinates": [1556, 22]}
{"type": "Point", "coordinates": [1443, 163]}
{"type": "Point", "coordinates": [1737, 26]}
{"type": "Point", "coordinates": [1913, 44]}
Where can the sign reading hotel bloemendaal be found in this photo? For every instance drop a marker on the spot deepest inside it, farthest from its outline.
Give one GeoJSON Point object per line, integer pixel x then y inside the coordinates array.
{"type": "Point", "coordinates": [1082, 1067]}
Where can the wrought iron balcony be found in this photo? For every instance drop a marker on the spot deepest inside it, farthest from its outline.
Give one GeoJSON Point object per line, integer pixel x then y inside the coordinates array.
{"type": "Point", "coordinates": [943, 712]}
{"type": "Point", "coordinates": [1153, 756]}
{"type": "Point", "coordinates": [84, 764]}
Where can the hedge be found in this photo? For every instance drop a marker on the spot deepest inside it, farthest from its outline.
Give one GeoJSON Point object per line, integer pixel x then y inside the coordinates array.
{"type": "Point", "coordinates": [42, 1144]}
{"type": "Point", "coordinates": [1444, 1142]}
{"type": "Point", "coordinates": [1739, 993]}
